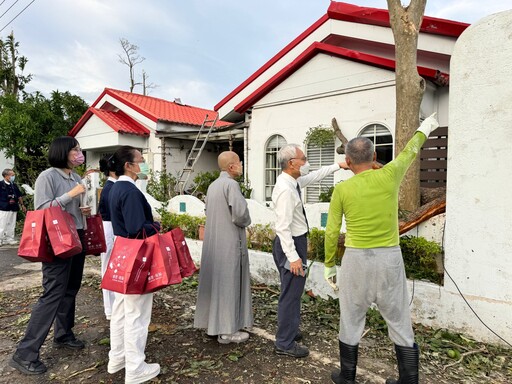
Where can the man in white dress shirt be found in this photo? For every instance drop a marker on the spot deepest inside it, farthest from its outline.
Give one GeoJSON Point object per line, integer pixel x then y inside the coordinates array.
{"type": "Point", "coordinates": [290, 245]}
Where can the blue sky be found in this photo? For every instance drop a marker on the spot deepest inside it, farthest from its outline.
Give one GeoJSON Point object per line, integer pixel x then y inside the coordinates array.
{"type": "Point", "coordinates": [196, 50]}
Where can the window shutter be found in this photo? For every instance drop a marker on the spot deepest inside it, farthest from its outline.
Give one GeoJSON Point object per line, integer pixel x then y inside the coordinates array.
{"type": "Point", "coordinates": [319, 157]}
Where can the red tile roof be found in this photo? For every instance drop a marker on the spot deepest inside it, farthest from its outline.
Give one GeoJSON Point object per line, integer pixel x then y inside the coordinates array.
{"type": "Point", "coordinates": [356, 14]}
{"type": "Point", "coordinates": [158, 109]}
{"type": "Point", "coordinates": [151, 107]}
{"type": "Point", "coordinates": [121, 122]}
{"type": "Point", "coordinates": [117, 120]}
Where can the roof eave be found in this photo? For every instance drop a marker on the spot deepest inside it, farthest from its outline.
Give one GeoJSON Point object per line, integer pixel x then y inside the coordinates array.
{"type": "Point", "coordinates": [377, 16]}
{"type": "Point", "coordinates": [316, 48]}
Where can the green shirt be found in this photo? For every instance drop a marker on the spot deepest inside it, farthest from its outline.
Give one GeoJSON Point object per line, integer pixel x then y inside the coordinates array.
{"type": "Point", "coordinates": [369, 202]}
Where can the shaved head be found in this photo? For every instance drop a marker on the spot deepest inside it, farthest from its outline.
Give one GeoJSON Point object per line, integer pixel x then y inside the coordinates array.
{"type": "Point", "coordinates": [226, 158]}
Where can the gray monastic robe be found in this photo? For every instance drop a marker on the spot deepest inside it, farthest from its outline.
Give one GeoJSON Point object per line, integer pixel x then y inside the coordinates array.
{"type": "Point", "coordinates": [224, 302]}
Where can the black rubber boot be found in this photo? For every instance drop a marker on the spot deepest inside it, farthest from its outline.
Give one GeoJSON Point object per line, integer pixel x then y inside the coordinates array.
{"type": "Point", "coordinates": [348, 363]}
{"type": "Point", "coordinates": [408, 360]}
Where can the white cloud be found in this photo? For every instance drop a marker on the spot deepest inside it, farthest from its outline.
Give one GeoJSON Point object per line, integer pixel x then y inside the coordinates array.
{"type": "Point", "coordinates": [198, 50]}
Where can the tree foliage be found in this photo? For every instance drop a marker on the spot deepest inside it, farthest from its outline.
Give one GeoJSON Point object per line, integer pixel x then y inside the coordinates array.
{"type": "Point", "coordinates": [12, 65]}
{"type": "Point", "coordinates": [29, 125]}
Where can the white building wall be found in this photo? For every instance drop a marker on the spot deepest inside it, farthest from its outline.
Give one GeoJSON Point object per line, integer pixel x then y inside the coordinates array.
{"type": "Point", "coordinates": [5, 162]}
{"type": "Point", "coordinates": [354, 104]}
{"type": "Point", "coordinates": [478, 246]}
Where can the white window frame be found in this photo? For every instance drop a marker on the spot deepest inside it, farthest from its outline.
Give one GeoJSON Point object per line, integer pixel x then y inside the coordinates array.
{"type": "Point", "coordinates": [379, 130]}
{"type": "Point", "coordinates": [272, 167]}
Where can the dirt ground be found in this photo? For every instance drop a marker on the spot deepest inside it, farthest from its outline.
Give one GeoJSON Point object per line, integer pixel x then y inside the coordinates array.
{"type": "Point", "coordinates": [188, 355]}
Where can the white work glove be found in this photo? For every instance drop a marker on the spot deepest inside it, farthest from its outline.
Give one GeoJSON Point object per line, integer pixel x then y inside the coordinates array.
{"type": "Point", "coordinates": [330, 276]}
{"type": "Point", "coordinates": [428, 125]}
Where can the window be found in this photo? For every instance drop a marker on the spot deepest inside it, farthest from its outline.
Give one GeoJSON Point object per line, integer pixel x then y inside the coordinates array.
{"type": "Point", "coordinates": [272, 168]}
{"type": "Point", "coordinates": [318, 157]}
{"type": "Point", "coordinates": [382, 140]}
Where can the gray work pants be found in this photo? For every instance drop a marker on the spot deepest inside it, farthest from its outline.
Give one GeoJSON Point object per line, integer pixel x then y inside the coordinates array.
{"type": "Point", "coordinates": [374, 275]}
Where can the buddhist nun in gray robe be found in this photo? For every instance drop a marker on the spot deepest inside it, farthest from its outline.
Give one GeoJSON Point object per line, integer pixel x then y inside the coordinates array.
{"type": "Point", "coordinates": [224, 303]}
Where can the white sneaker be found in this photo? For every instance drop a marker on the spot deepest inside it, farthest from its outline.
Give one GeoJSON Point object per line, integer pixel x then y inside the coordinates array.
{"type": "Point", "coordinates": [237, 337]}
{"type": "Point", "coordinates": [12, 242]}
{"type": "Point", "coordinates": [114, 366]}
{"type": "Point", "coordinates": [150, 371]}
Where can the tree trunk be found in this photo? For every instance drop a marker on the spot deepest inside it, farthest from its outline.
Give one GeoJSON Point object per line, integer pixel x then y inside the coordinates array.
{"type": "Point", "coordinates": [405, 23]}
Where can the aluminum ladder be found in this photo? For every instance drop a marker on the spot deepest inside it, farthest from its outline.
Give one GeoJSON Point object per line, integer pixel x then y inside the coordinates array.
{"type": "Point", "coordinates": [195, 152]}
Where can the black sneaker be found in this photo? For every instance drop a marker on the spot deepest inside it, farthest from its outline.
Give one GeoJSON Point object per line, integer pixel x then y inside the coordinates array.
{"type": "Point", "coordinates": [296, 351]}
{"type": "Point", "coordinates": [298, 336]}
{"type": "Point", "coordinates": [69, 344]}
{"type": "Point", "coordinates": [27, 367]}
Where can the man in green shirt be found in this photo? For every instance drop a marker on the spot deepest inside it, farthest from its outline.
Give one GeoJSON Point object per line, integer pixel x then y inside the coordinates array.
{"type": "Point", "coordinates": [372, 269]}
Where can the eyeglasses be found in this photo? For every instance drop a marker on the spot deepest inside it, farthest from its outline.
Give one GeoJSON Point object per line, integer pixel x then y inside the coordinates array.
{"type": "Point", "coordinates": [304, 159]}
{"type": "Point", "coordinates": [77, 149]}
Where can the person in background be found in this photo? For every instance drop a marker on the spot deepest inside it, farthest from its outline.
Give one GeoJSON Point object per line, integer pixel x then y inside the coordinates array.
{"type": "Point", "coordinates": [131, 217]}
{"type": "Point", "coordinates": [10, 202]}
{"type": "Point", "coordinates": [62, 278]}
{"type": "Point", "coordinates": [290, 244]}
{"type": "Point", "coordinates": [103, 207]}
{"type": "Point", "coordinates": [224, 303]}
{"type": "Point", "coordinates": [372, 269]}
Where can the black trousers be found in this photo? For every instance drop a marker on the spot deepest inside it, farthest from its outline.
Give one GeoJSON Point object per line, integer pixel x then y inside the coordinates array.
{"type": "Point", "coordinates": [292, 287]}
{"type": "Point", "coordinates": [62, 279]}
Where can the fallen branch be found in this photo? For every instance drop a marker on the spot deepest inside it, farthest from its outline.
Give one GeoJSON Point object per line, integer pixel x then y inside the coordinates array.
{"type": "Point", "coordinates": [256, 287]}
{"type": "Point", "coordinates": [19, 312]}
{"type": "Point", "coordinates": [463, 355]}
{"type": "Point", "coordinates": [366, 332]}
{"type": "Point", "coordinates": [425, 212]}
{"type": "Point", "coordinates": [85, 370]}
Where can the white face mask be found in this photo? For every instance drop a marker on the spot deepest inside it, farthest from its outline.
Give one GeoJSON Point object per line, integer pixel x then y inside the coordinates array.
{"type": "Point", "coordinates": [304, 169]}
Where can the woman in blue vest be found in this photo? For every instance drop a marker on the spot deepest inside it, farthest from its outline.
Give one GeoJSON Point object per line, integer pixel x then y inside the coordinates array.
{"type": "Point", "coordinates": [131, 217]}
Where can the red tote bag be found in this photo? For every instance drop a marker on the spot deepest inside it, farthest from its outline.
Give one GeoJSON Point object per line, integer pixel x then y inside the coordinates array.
{"type": "Point", "coordinates": [94, 236]}
{"type": "Point", "coordinates": [187, 266]}
{"type": "Point", "coordinates": [34, 245]}
{"type": "Point", "coordinates": [128, 266]}
{"type": "Point", "coordinates": [62, 232]}
{"type": "Point", "coordinates": [164, 270]}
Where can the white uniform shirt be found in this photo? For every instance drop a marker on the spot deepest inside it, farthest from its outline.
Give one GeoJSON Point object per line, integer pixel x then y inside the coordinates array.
{"type": "Point", "coordinates": [288, 207]}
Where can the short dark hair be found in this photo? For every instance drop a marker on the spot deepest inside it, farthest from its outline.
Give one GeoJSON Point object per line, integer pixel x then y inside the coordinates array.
{"type": "Point", "coordinates": [106, 165]}
{"type": "Point", "coordinates": [360, 150]}
{"type": "Point", "coordinates": [6, 172]}
{"type": "Point", "coordinates": [59, 151]}
{"type": "Point", "coordinates": [125, 154]}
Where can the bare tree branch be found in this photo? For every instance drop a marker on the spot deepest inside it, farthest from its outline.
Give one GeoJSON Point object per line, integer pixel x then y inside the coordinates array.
{"type": "Point", "coordinates": [337, 131]}
{"type": "Point", "coordinates": [145, 85]}
{"type": "Point", "coordinates": [130, 58]}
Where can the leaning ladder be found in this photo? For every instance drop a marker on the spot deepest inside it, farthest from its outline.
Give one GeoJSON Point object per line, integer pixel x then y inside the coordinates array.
{"type": "Point", "coordinates": [195, 152]}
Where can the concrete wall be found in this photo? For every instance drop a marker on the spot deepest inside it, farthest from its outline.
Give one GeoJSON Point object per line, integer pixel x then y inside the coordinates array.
{"type": "Point", "coordinates": [5, 162]}
{"type": "Point", "coordinates": [478, 246]}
